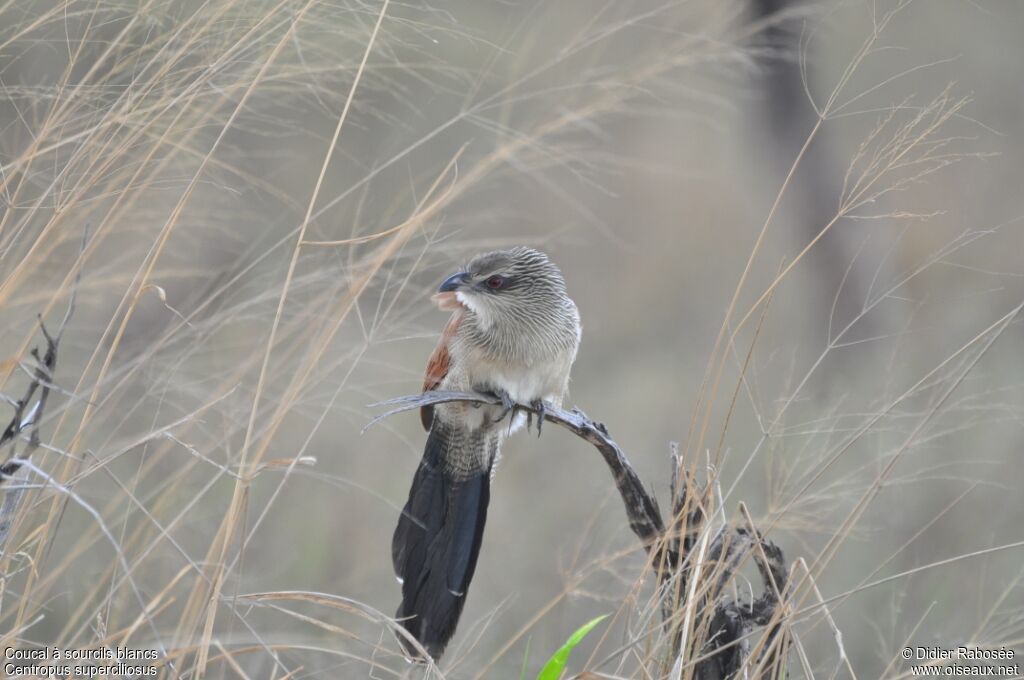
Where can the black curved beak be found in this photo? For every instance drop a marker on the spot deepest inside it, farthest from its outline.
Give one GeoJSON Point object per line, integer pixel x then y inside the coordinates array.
{"type": "Point", "coordinates": [454, 282]}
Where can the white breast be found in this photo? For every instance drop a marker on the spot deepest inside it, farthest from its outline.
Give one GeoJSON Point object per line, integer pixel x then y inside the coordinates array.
{"type": "Point", "coordinates": [525, 386]}
{"type": "Point", "coordinates": [528, 384]}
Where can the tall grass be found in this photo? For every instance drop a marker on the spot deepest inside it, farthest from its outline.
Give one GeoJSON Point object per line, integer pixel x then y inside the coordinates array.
{"type": "Point", "coordinates": [268, 190]}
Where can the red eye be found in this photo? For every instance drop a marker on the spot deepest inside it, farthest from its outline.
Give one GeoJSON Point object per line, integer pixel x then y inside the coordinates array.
{"type": "Point", "coordinates": [495, 282]}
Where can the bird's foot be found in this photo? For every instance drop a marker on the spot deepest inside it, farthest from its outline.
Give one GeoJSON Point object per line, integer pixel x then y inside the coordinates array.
{"type": "Point", "coordinates": [507, 404]}
{"type": "Point", "coordinates": [539, 407]}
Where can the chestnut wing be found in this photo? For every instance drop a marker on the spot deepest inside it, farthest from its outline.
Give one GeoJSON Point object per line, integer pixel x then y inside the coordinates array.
{"type": "Point", "coordinates": [437, 366]}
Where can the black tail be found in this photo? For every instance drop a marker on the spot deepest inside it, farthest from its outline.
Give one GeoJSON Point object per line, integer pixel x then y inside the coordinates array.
{"type": "Point", "coordinates": [436, 544]}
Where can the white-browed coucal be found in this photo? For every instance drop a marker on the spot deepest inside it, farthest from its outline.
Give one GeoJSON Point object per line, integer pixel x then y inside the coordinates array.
{"type": "Point", "coordinates": [514, 333]}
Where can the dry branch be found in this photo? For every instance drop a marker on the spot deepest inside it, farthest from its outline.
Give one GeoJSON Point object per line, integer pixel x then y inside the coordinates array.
{"type": "Point", "coordinates": [26, 419]}
{"type": "Point", "coordinates": [641, 507]}
{"type": "Point", "coordinates": [28, 413]}
{"type": "Point", "coordinates": [723, 652]}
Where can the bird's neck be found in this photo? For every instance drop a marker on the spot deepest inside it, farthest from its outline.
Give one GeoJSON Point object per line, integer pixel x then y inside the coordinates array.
{"type": "Point", "coordinates": [524, 336]}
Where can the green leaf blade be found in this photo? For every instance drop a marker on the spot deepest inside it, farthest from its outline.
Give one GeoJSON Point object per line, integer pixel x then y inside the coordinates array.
{"type": "Point", "coordinates": [556, 664]}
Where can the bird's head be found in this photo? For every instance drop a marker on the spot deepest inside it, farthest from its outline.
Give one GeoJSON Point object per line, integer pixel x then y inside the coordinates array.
{"type": "Point", "coordinates": [504, 282]}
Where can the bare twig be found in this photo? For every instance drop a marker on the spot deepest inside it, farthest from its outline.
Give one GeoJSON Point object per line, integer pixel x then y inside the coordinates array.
{"type": "Point", "coordinates": [641, 507]}
{"type": "Point", "coordinates": [27, 419]}
{"type": "Point", "coordinates": [722, 650]}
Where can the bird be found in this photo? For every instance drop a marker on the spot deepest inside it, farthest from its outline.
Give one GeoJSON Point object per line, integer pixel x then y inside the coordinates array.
{"type": "Point", "coordinates": [513, 333]}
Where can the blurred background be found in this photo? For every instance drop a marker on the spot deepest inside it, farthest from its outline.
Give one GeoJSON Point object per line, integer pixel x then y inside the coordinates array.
{"type": "Point", "coordinates": [260, 197]}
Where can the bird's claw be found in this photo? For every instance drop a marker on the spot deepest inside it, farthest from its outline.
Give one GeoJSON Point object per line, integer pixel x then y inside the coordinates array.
{"type": "Point", "coordinates": [539, 407]}
{"type": "Point", "coordinates": [507, 404]}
